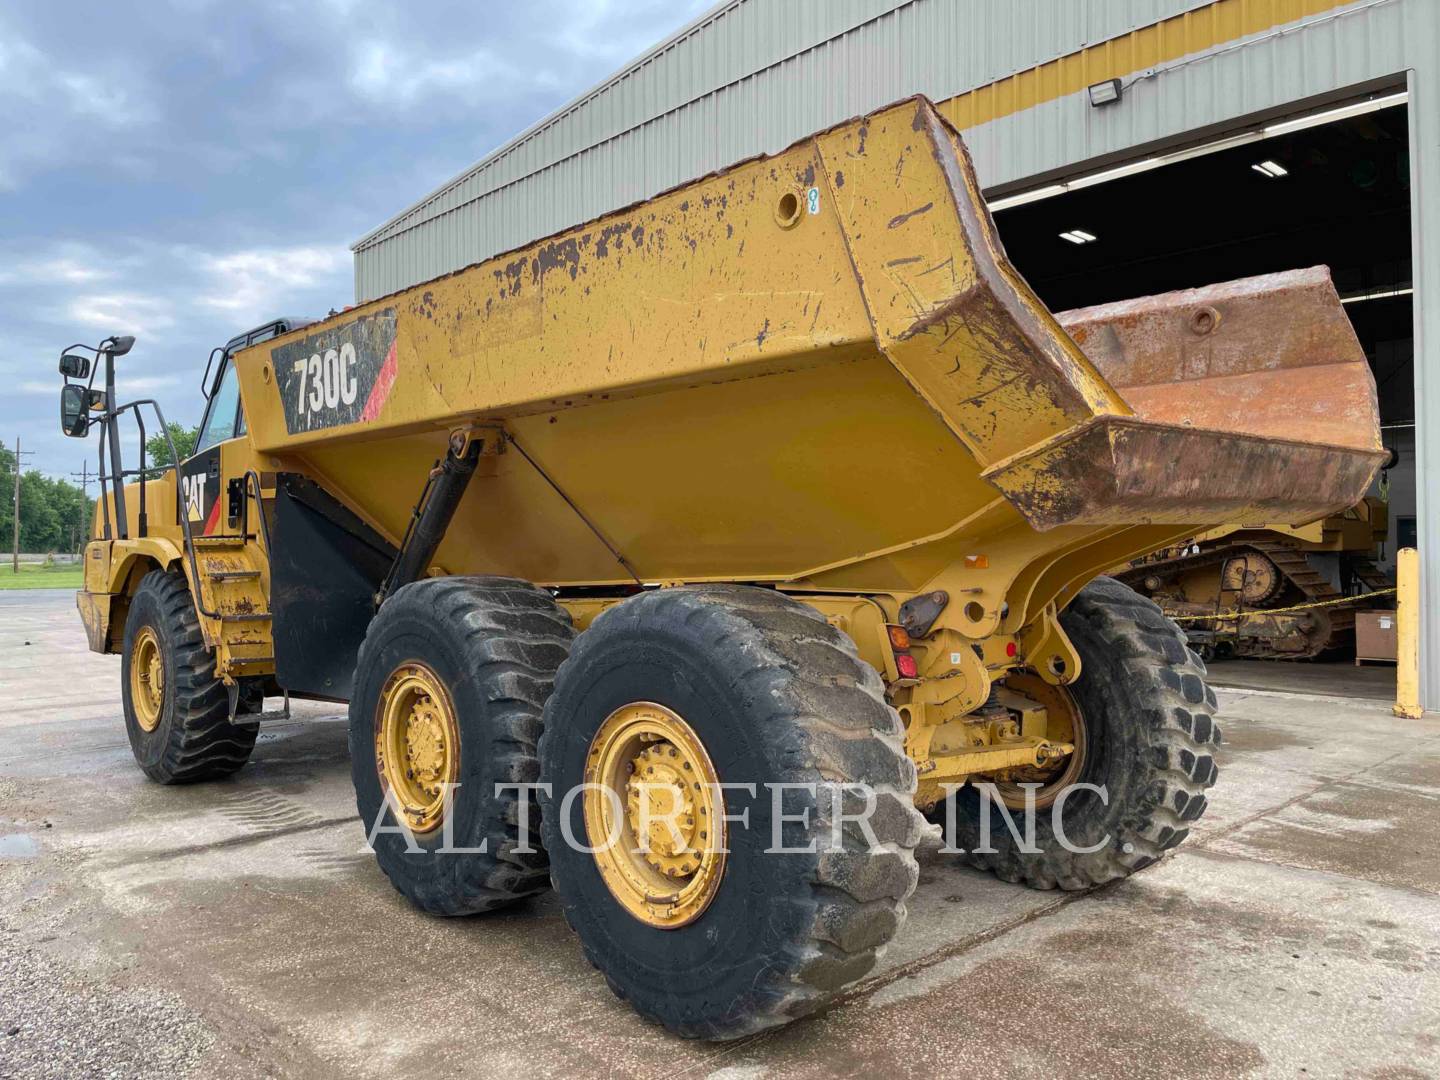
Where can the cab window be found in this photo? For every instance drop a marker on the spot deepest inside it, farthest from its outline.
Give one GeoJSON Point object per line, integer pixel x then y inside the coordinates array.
{"type": "Point", "coordinates": [222, 415]}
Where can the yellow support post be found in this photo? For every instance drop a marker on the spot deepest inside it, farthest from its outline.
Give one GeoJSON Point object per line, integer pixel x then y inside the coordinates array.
{"type": "Point", "coordinates": [1407, 634]}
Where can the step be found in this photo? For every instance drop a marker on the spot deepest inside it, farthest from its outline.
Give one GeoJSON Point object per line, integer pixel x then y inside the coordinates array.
{"type": "Point", "coordinates": [232, 575]}
{"type": "Point", "coordinates": [245, 616]}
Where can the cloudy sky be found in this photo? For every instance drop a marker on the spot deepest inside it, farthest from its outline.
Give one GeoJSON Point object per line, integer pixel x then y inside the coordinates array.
{"type": "Point", "coordinates": [183, 170]}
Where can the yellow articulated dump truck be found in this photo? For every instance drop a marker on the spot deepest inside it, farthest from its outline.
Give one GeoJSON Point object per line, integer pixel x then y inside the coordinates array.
{"type": "Point", "coordinates": [683, 560]}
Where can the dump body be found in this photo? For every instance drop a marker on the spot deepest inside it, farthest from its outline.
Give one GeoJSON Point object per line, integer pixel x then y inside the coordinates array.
{"type": "Point", "coordinates": [817, 368]}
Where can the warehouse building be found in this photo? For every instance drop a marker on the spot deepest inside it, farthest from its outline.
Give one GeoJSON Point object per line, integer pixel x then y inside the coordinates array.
{"type": "Point", "coordinates": [1126, 147]}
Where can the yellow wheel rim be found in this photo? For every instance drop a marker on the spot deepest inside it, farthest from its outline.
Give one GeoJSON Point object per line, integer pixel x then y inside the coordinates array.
{"type": "Point", "coordinates": [147, 678]}
{"type": "Point", "coordinates": [655, 814]}
{"type": "Point", "coordinates": [417, 745]}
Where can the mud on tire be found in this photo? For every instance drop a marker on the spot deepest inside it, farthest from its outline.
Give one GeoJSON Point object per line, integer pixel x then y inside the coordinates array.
{"type": "Point", "coordinates": [193, 739]}
{"type": "Point", "coordinates": [1152, 735]}
{"type": "Point", "coordinates": [776, 695]}
{"type": "Point", "coordinates": [496, 644]}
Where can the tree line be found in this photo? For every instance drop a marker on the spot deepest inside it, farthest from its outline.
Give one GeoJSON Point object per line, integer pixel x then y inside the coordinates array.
{"type": "Point", "coordinates": [56, 515]}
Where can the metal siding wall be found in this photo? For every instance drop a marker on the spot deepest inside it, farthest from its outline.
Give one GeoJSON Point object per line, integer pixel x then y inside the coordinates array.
{"type": "Point", "coordinates": [1269, 73]}
{"type": "Point", "coordinates": [757, 77]}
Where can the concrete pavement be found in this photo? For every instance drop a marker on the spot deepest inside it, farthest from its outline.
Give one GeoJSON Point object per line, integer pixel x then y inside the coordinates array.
{"type": "Point", "coordinates": [238, 929]}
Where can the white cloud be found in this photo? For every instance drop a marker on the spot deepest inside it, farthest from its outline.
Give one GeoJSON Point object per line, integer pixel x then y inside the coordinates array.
{"type": "Point", "coordinates": [50, 112]}
{"type": "Point", "coordinates": [122, 313]}
{"type": "Point", "coordinates": [387, 74]}
{"type": "Point", "coordinates": [69, 270]}
{"type": "Point", "coordinates": [134, 385]}
{"type": "Point", "coordinates": [260, 283]}
{"type": "Point", "coordinates": [61, 263]}
{"type": "Point", "coordinates": [147, 384]}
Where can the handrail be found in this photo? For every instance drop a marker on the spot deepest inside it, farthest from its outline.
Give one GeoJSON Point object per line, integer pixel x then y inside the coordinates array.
{"type": "Point", "coordinates": [251, 474]}
{"type": "Point", "coordinates": [118, 478]}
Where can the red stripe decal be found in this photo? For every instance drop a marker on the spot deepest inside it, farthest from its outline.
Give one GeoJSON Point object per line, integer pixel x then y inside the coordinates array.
{"type": "Point", "coordinates": [384, 383]}
{"type": "Point", "coordinates": [213, 519]}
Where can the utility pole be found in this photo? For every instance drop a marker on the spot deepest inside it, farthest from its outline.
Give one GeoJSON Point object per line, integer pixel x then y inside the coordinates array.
{"type": "Point", "coordinates": [19, 457]}
{"type": "Point", "coordinates": [84, 500]}
{"type": "Point", "coordinates": [15, 568]}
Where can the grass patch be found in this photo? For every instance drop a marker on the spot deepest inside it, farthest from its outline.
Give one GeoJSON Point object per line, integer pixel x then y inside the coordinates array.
{"type": "Point", "coordinates": [38, 576]}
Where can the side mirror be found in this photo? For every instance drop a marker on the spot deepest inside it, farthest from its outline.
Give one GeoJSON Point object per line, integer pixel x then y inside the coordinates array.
{"type": "Point", "coordinates": [75, 367]}
{"type": "Point", "coordinates": [74, 410]}
{"type": "Point", "coordinates": [119, 346]}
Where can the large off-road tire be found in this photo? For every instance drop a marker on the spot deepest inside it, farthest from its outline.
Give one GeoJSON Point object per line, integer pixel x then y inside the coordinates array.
{"type": "Point", "coordinates": [177, 713]}
{"type": "Point", "coordinates": [774, 694]}
{"type": "Point", "coordinates": [487, 649]}
{"type": "Point", "coordinates": [1150, 739]}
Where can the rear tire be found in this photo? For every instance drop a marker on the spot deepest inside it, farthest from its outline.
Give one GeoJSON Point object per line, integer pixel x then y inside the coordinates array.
{"type": "Point", "coordinates": [493, 644]}
{"type": "Point", "coordinates": [775, 695]}
{"type": "Point", "coordinates": [188, 737]}
{"type": "Point", "coordinates": [1151, 734]}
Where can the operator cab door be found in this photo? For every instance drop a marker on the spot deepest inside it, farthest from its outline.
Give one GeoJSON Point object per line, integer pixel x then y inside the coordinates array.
{"type": "Point", "coordinates": [202, 478]}
{"type": "Point", "coordinates": [200, 475]}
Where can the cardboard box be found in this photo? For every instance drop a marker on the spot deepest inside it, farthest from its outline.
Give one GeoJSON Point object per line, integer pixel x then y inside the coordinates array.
{"type": "Point", "coordinates": [1375, 635]}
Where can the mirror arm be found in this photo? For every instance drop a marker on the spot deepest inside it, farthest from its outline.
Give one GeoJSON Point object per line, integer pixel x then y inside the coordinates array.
{"type": "Point", "coordinates": [116, 462]}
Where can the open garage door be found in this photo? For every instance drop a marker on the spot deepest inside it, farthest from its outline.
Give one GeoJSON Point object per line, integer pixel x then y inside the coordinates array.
{"type": "Point", "coordinates": [1332, 189]}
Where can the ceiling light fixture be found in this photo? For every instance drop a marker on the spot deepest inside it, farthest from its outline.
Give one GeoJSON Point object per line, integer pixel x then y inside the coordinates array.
{"type": "Point", "coordinates": [1078, 236]}
{"type": "Point", "coordinates": [1273, 169]}
{"type": "Point", "coordinates": [1049, 191]}
{"type": "Point", "coordinates": [1383, 294]}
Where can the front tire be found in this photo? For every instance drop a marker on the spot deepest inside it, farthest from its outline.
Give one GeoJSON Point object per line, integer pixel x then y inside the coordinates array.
{"type": "Point", "coordinates": [177, 713]}
{"type": "Point", "coordinates": [1150, 738]}
{"type": "Point", "coordinates": [449, 687]}
{"type": "Point", "coordinates": [766, 691]}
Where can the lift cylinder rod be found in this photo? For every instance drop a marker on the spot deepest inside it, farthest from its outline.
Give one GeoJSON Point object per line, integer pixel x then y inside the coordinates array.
{"type": "Point", "coordinates": [446, 489]}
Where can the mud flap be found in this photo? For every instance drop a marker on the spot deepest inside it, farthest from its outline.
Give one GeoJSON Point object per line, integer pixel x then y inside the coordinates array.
{"type": "Point", "coordinates": [326, 569]}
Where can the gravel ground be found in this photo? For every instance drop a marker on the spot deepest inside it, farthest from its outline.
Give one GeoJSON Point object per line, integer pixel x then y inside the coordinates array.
{"type": "Point", "coordinates": [56, 1022]}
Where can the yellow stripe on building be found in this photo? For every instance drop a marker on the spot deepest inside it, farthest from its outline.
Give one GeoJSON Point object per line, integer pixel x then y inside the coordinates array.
{"type": "Point", "coordinates": [1170, 39]}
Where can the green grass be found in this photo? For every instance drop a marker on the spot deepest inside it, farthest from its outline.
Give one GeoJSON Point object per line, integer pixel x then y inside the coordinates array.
{"type": "Point", "coordinates": [37, 576]}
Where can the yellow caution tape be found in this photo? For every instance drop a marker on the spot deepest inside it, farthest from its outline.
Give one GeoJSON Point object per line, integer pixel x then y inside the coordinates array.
{"type": "Point", "coordinates": [1282, 610]}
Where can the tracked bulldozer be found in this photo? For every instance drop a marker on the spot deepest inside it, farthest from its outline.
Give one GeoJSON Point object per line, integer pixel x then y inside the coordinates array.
{"type": "Point", "coordinates": [1277, 592]}
{"type": "Point", "coordinates": [720, 539]}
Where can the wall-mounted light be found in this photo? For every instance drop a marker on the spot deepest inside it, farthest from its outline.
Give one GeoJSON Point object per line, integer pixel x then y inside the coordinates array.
{"type": "Point", "coordinates": [1273, 169]}
{"type": "Point", "coordinates": [1106, 93]}
{"type": "Point", "coordinates": [1079, 236]}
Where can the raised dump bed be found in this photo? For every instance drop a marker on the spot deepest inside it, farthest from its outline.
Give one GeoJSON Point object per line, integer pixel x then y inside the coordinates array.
{"type": "Point", "coordinates": [782, 477]}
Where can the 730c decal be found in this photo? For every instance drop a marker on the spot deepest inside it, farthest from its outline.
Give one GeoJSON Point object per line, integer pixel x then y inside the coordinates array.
{"type": "Point", "coordinates": [339, 376]}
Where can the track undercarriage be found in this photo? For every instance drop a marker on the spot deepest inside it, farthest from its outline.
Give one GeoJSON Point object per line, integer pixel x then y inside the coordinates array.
{"type": "Point", "coordinates": [1274, 599]}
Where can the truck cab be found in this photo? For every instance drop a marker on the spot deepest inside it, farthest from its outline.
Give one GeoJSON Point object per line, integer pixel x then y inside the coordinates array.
{"type": "Point", "coordinates": [201, 521]}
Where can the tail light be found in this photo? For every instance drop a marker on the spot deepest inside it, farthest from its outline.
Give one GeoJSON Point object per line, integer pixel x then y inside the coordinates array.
{"type": "Point", "coordinates": [899, 641]}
